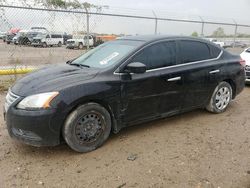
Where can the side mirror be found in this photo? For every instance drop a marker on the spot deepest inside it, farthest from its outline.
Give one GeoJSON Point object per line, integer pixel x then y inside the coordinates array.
{"type": "Point", "coordinates": [136, 67]}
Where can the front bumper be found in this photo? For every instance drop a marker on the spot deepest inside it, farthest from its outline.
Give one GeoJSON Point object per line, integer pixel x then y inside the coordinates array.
{"type": "Point", "coordinates": [32, 127]}
{"type": "Point", "coordinates": [71, 45]}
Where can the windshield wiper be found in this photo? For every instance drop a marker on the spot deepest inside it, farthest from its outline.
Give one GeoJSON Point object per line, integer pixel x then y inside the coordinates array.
{"type": "Point", "coordinates": [79, 65]}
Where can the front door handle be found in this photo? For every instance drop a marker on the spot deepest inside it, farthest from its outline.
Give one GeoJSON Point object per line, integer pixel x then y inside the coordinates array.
{"type": "Point", "coordinates": [214, 71]}
{"type": "Point", "coordinates": [174, 79]}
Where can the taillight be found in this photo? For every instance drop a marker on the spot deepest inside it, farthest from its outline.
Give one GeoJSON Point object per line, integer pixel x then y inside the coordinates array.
{"type": "Point", "coordinates": [242, 62]}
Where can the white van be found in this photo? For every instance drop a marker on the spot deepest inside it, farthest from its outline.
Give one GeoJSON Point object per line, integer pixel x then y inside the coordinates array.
{"type": "Point", "coordinates": [46, 40]}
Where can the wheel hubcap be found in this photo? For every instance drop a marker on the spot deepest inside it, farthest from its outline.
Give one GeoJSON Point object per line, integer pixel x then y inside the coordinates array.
{"type": "Point", "coordinates": [222, 98]}
{"type": "Point", "coordinates": [89, 127]}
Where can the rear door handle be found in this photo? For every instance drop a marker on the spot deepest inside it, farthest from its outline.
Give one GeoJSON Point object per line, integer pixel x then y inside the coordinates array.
{"type": "Point", "coordinates": [174, 79]}
{"type": "Point", "coordinates": [214, 71]}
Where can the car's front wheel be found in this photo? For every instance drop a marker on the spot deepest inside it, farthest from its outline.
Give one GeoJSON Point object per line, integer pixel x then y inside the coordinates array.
{"type": "Point", "coordinates": [87, 127]}
{"type": "Point", "coordinates": [80, 46]}
{"type": "Point", "coordinates": [60, 44]}
{"type": "Point", "coordinates": [44, 45]}
{"type": "Point", "coordinates": [221, 98]}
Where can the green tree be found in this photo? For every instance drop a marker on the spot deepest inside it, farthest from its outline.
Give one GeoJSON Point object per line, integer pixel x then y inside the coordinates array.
{"type": "Point", "coordinates": [219, 32]}
{"type": "Point", "coordinates": [194, 34]}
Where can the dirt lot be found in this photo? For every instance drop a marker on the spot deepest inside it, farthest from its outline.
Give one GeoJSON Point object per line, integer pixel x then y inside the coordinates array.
{"type": "Point", "coordinates": [27, 55]}
{"type": "Point", "coordinates": [196, 149]}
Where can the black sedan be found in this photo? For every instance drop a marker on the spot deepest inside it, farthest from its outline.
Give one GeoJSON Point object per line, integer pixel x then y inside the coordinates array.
{"type": "Point", "coordinates": [118, 84]}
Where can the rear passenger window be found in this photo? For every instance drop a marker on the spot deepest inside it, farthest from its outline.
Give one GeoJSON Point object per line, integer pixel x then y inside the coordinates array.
{"type": "Point", "coordinates": [56, 36]}
{"type": "Point", "coordinates": [158, 55]}
{"type": "Point", "coordinates": [194, 51]}
{"type": "Point", "coordinates": [215, 51]}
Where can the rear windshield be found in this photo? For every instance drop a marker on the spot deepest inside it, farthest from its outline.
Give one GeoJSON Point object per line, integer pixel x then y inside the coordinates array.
{"type": "Point", "coordinates": [107, 54]}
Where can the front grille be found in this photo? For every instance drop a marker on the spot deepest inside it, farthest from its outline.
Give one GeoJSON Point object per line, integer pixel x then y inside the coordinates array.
{"type": "Point", "coordinates": [10, 99]}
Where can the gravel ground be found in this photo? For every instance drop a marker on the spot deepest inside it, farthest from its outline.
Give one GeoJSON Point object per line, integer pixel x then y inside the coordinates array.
{"type": "Point", "coordinates": [195, 149]}
{"type": "Point", "coordinates": [11, 54]}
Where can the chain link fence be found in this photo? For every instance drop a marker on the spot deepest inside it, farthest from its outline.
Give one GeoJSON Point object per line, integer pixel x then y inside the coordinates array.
{"type": "Point", "coordinates": [32, 37]}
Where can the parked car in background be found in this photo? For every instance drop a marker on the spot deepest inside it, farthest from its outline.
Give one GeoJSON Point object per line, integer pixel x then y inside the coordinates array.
{"type": "Point", "coordinates": [215, 41]}
{"type": "Point", "coordinates": [118, 84]}
{"type": "Point", "coordinates": [9, 38]}
{"type": "Point", "coordinates": [19, 36]}
{"type": "Point", "coordinates": [66, 37]}
{"type": "Point", "coordinates": [2, 35]}
{"type": "Point", "coordinates": [46, 40]}
{"type": "Point", "coordinates": [94, 41]}
{"type": "Point", "coordinates": [238, 44]}
{"type": "Point", "coordinates": [246, 56]}
{"type": "Point", "coordinates": [11, 34]}
{"type": "Point", "coordinates": [80, 42]}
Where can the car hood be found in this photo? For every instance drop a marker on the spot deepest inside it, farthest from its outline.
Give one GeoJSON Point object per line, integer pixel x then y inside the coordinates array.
{"type": "Point", "coordinates": [54, 78]}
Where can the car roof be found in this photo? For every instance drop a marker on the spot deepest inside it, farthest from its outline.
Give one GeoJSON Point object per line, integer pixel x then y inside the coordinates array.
{"type": "Point", "coordinates": [151, 38]}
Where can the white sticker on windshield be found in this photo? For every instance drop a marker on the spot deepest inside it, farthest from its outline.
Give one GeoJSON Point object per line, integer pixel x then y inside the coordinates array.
{"type": "Point", "coordinates": [109, 58]}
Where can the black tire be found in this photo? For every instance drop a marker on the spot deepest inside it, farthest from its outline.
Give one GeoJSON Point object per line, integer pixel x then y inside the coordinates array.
{"type": "Point", "coordinates": [87, 127]}
{"type": "Point", "coordinates": [221, 98]}
{"type": "Point", "coordinates": [59, 44]}
{"type": "Point", "coordinates": [80, 46]}
{"type": "Point", "coordinates": [44, 45]}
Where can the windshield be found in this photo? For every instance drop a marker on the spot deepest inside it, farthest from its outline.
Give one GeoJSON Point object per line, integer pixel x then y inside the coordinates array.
{"type": "Point", "coordinates": [107, 54]}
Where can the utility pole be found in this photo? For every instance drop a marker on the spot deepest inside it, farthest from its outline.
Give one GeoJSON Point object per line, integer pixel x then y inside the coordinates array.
{"type": "Point", "coordinates": [202, 27]}
{"type": "Point", "coordinates": [156, 22]}
{"type": "Point", "coordinates": [235, 32]}
{"type": "Point", "coordinates": [87, 21]}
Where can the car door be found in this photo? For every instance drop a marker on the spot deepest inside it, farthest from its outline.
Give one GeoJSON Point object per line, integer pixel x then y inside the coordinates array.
{"type": "Point", "coordinates": [54, 39]}
{"type": "Point", "coordinates": [199, 69]}
{"type": "Point", "coordinates": [155, 92]}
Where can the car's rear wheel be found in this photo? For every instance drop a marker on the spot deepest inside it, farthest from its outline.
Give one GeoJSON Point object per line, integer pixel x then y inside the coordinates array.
{"type": "Point", "coordinates": [45, 45]}
{"type": "Point", "coordinates": [221, 98]}
{"type": "Point", "coordinates": [80, 46]}
{"type": "Point", "coordinates": [59, 44]}
{"type": "Point", "coordinates": [87, 127]}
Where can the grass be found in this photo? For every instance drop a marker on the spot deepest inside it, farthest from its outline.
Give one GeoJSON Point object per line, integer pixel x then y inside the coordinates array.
{"type": "Point", "coordinates": [5, 84]}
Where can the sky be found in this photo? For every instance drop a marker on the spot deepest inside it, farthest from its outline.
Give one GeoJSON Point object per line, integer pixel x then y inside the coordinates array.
{"type": "Point", "coordinates": [212, 10]}
{"type": "Point", "coordinates": [239, 10]}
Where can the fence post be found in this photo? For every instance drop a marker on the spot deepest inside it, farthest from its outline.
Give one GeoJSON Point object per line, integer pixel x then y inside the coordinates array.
{"type": "Point", "coordinates": [87, 20]}
{"type": "Point", "coordinates": [202, 27]}
{"type": "Point", "coordinates": [156, 22]}
{"type": "Point", "coordinates": [235, 34]}
{"type": "Point", "coordinates": [87, 30]}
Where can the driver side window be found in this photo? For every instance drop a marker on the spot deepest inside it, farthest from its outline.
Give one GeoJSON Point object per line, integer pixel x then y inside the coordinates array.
{"type": "Point", "coordinates": [158, 55]}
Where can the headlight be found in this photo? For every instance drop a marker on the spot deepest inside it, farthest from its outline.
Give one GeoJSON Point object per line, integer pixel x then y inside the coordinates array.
{"type": "Point", "coordinates": [37, 101]}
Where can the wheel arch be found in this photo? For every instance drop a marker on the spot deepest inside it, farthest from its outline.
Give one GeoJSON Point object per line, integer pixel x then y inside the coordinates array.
{"type": "Point", "coordinates": [114, 127]}
{"type": "Point", "coordinates": [233, 85]}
